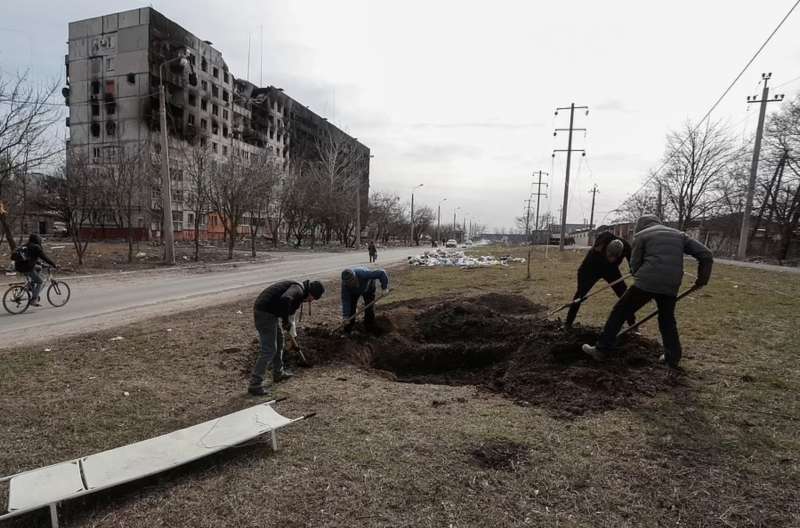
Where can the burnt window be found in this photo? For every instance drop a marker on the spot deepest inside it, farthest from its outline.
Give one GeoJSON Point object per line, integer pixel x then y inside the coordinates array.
{"type": "Point", "coordinates": [191, 119]}
{"type": "Point", "coordinates": [95, 129]}
{"type": "Point", "coordinates": [95, 109]}
{"type": "Point", "coordinates": [224, 114]}
{"type": "Point", "coordinates": [225, 77]}
{"type": "Point", "coordinates": [224, 150]}
{"type": "Point", "coordinates": [225, 95]}
{"type": "Point", "coordinates": [131, 78]}
{"type": "Point", "coordinates": [204, 124]}
{"type": "Point", "coordinates": [215, 129]}
{"type": "Point", "coordinates": [95, 87]}
{"type": "Point", "coordinates": [213, 146]}
{"type": "Point", "coordinates": [214, 110]}
{"type": "Point", "coordinates": [203, 64]}
{"type": "Point", "coordinates": [215, 72]}
{"type": "Point", "coordinates": [95, 152]}
{"type": "Point", "coordinates": [192, 99]}
{"type": "Point", "coordinates": [204, 85]}
{"type": "Point", "coordinates": [224, 131]}
{"type": "Point", "coordinates": [111, 128]}
{"type": "Point", "coordinates": [214, 90]}
{"type": "Point", "coordinates": [204, 105]}
{"type": "Point", "coordinates": [203, 141]}
{"type": "Point", "coordinates": [192, 60]}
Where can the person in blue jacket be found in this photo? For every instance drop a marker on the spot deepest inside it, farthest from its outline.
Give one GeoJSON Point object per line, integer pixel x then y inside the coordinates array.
{"type": "Point", "coordinates": [360, 283]}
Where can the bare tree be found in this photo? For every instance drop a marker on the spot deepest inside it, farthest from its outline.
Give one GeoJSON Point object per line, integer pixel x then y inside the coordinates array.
{"type": "Point", "coordinates": [424, 218]}
{"type": "Point", "coordinates": [697, 159]}
{"type": "Point", "coordinates": [26, 134]}
{"type": "Point", "coordinates": [198, 163]}
{"type": "Point", "coordinates": [265, 177]}
{"type": "Point", "coordinates": [125, 188]}
{"type": "Point", "coordinates": [229, 194]}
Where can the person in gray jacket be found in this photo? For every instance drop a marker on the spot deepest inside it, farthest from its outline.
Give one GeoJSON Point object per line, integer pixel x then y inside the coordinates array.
{"type": "Point", "coordinates": [657, 267]}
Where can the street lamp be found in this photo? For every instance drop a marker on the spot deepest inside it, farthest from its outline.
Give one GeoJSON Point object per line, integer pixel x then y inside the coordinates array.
{"type": "Point", "coordinates": [166, 185]}
{"type": "Point", "coordinates": [439, 218]}
{"type": "Point", "coordinates": [412, 211]}
{"type": "Point", "coordinates": [455, 226]}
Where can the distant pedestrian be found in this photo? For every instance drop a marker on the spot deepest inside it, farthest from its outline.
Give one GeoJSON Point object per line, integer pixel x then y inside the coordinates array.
{"type": "Point", "coordinates": [279, 301]}
{"type": "Point", "coordinates": [601, 262]}
{"type": "Point", "coordinates": [359, 283]}
{"type": "Point", "coordinates": [373, 252]}
{"type": "Point", "coordinates": [657, 266]}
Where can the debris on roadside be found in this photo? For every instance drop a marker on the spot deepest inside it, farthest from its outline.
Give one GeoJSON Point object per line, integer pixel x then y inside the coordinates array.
{"type": "Point", "coordinates": [452, 258]}
{"type": "Point", "coordinates": [118, 338]}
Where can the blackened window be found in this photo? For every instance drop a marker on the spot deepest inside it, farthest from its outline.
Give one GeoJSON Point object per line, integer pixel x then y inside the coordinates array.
{"type": "Point", "coordinates": [204, 105]}
{"type": "Point", "coordinates": [131, 78]}
{"type": "Point", "coordinates": [204, 85]}
{"type": "Point", "coordinates": [213, 146]}
{"type": "Point", "coordinates": [203, 124]}
{"type": "Point", "coordinates": [225, 77]}
{"type": "Point", "coordinates": [96, 129]}
{"type": "Point", "coordinates": [192, 99]}
{"type": "Point", "coordinates": [214, 110]}
{"type": "Point", "coordinates": [203, 64]}
{"type": "Point", "coordinates": [225, 95]}
{"type": "Point", "coordinates": [214, 90]}
{"type": "Point", "coordinates": [215, 73]}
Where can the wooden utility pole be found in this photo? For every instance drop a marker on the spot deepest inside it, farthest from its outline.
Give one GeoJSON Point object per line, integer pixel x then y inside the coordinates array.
{"type": "Point", "coordinates": [748, 205]}
{"type": "Point", "coordinates": [569, 150]}
{"type": "Point", "coordinates": [660, 203]}
{"type": "Point", "coordinates": [528, 219]}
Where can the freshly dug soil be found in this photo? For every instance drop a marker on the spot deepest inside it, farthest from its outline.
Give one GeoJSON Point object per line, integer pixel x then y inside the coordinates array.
{"type": "Point", "coordinates": [502, 344]}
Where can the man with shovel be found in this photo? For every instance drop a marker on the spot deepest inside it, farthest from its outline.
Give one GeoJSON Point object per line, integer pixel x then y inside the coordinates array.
{"type": "Point", "coordinates": [278, 302]}
{"type": "Point", "coordinates": [602, 262]}
{"type": "Point", "coordinates": [657, 267]}
{"type": "Point", "coordinates": [360, 283]}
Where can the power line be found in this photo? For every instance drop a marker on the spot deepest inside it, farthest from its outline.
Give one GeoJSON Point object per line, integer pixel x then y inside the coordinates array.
{"type": "Point", "coordinates": [721, 97]}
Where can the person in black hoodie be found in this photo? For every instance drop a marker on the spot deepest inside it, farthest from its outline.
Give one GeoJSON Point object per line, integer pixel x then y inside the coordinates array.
{"type": "Point", "coordinates": [279, 301]}
{"type": "Point", "coordinates": [602, 262]}
{"type": "Point", "coordinates": [33, 253]}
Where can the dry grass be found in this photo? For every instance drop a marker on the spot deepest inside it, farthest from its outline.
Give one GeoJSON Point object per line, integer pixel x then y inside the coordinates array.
{"type": "Point", "coordinates": [722, 450]}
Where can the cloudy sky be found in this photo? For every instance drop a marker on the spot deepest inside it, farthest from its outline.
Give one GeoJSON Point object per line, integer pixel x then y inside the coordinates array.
{"type": "Point", "coordinates": [460, 95]}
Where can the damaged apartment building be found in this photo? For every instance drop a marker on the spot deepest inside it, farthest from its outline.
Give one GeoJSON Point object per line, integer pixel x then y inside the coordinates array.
{"type": "Point", "coordinates": [114, 68]}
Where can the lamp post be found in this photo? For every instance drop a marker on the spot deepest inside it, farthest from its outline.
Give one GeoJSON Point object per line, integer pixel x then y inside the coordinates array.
{"type": "Point", "coordinates": [166, 185]}
{"type": "Point", "coordinates": [455, 225]}
{"type": "Point", "coordinates": [439, 218]}
{"type": "Point", "coordinates": [412, 211]}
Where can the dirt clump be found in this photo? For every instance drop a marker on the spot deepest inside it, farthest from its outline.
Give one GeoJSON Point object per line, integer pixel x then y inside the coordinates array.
{"type": "Point", "coordinates": [502, 344]}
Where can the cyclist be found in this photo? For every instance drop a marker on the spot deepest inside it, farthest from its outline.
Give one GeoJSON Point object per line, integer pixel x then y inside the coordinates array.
{"type": "Point", "coordinates": [26, 259]}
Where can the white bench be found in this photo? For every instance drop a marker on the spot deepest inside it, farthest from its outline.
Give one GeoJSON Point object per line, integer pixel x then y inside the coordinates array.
{"type": "Point", "coordinates": [50, 485]}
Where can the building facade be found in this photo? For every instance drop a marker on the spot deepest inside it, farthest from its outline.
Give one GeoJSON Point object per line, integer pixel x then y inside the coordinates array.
{"type": "Point", "coordinates": [115, 66]}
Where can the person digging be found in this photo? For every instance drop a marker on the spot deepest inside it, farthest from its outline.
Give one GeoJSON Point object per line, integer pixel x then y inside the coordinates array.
{"type": "Point", "coordinates": [278, 302]}
{"type": "Point", "coordinates": [657, 268]}
{"type": "Point", "coordinates": [359, 283]}
{"type": "Point", "coordinates": [602, 262]}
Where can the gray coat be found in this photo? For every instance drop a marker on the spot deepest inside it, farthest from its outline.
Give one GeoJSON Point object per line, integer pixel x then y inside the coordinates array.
{"type": "Point", "coordinates": [657, 257]}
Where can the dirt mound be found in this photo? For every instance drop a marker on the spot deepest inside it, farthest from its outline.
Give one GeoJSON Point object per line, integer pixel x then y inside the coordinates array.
{"type": "Point", "coordinates": [503, 455]}
{"type": "Point", "coordinates": [467, 341]}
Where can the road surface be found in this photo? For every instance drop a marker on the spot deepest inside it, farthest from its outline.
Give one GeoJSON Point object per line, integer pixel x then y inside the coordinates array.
{"type": "Point", "coordinates": [109, 300]}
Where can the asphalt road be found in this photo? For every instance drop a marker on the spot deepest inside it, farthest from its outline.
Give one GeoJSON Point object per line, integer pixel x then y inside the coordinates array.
{"type": "Point", "coordinates": [106, 301]}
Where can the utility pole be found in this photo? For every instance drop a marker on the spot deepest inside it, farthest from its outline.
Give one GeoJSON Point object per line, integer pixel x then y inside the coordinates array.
{"type": "Point", "coordinates": [528, 219]}
{"type": "Point", "coordinates": [538, 195]}
{"type": "Point", "coordinates": [569, 150]}
{"type": "Point", "coordinates": [412, 211]}
{"type": "Point", "coordinates": [748, 205]}
{"type": "Point", "coordinates": [439, 220]}
{"type": "Point", "coordinates": [591, 215]}
{"type": "Point", "coordinates": [166, 185]}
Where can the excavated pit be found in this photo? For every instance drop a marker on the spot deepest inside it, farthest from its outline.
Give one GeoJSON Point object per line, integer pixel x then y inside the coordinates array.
{"type": "Point", "coordinates": [500, 343]}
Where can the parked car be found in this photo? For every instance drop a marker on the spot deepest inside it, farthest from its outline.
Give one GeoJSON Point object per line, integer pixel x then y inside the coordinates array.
{"type": "Point", "coordinates": [451, 243]}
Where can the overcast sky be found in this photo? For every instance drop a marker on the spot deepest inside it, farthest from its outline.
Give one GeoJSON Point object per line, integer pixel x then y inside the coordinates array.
{"type": "Point", "coordinates": [460, 95]}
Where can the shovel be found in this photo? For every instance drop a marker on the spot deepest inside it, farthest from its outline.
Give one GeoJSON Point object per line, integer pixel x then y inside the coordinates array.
{"type": "Point", "coordinates": [362, 310]}
{"type": "Point", "coordinates": [582, 299]}
{"type": "Point", "coordinates": [655, 313]}
{"type": "Point", "coordinates": [296, 347]}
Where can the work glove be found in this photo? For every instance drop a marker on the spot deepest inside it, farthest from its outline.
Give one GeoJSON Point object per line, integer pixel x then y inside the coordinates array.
{"type": "Point", "coordinates": [384, 291]}
{"type": "Point", "coordinates": [292, 327]}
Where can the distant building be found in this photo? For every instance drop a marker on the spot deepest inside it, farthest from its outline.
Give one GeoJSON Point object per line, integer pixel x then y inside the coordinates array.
{"type": "Point", "coordinates": [113, 68]}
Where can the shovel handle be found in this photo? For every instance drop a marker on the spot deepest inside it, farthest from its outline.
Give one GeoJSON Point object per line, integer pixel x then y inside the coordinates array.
{"type": "Point", "coordinates": [655, 313]}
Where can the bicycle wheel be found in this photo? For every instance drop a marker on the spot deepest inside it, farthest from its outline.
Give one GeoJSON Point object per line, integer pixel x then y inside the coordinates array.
{"type": "Point", "coordinates": [16, 299]}
{"type": "Point", "coordinates": [58, 293]}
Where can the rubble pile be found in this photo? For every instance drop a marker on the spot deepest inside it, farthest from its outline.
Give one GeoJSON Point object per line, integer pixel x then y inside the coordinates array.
{"type": "Point", "coordinates": [455, 258]}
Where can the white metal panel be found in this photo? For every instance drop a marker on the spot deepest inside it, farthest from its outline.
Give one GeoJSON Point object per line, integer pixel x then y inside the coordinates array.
{"type": "Point", "coordinates": [135, 461]}
{"type": "Point", "coordinates": [110, 23]}
{"type": "Point", "coordinates": [44, 486]}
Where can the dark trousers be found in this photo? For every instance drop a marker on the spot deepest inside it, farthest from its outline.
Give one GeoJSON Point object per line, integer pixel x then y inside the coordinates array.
{"type": "Point", "coordinates": [373, 257]}
{"type": "Point", "coordinates": [586, 282]}
{"type": "Point", "coordinates": [369, 313]}
{"type": "Point", "coordinates": [628, 305]}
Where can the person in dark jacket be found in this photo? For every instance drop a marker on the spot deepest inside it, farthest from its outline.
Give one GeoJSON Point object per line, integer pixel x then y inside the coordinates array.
{"type": "Point", "coordinates": [278, 302]}
{"type": "Point", "coordinates": [657, 267]}
{"type": "Point", "coordinates": [601, 262]}
{"type": "Point", "coordinates": [29, 266]}
{"type": "Point", "coordinates": [360, 283]}
{"type": "Point", "coordinates": [373, 252]}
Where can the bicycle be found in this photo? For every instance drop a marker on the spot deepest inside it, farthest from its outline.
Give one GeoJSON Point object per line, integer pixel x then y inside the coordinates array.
{"type": "Point", "coordinates": [19, 295]}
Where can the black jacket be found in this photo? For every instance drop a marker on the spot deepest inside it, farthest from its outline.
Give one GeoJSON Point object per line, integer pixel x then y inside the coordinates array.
{"type": "Point", "coordinates": [35, 253]}
{"type": "Point", "coordinates": [281, 299]}
{"type": "Point", "coordinates": [596, 264]}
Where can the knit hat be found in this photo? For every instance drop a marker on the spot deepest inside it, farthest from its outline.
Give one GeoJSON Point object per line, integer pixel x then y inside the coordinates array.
{"type": "Point", "coordinates": [614, 249]}
{"type": "Point", "coordinates": [348, 276]}
{"type": "Point", "coordinates": [314, 288]}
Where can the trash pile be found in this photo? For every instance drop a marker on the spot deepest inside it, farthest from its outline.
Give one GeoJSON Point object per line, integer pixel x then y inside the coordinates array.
{"type": "Point", "coordinates": [454, 258]}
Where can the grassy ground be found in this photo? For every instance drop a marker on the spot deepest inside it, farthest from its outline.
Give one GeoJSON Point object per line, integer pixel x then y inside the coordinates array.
{"type": "Point", "coordinates": [721, 450]}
